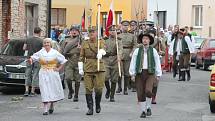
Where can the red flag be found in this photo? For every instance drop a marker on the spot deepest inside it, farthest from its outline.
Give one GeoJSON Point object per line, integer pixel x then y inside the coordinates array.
{"type": "Point", "coordinates": [83, 20]}
{"type": "Point", "coordinates": [109, 19]}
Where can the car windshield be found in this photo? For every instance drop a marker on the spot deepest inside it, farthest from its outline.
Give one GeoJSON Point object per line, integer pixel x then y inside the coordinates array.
{"type": "Point", "coordinates": [198, 42]}
{"type": "Point", "coordinates": [14, 48]}
{"type": "Point", "coordinates": [212, 43]}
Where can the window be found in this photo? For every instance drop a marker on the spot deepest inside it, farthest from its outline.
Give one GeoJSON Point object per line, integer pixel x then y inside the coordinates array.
{"type": "Point", "coordinates": [58, 16]}
{"type": "Point", "coordinates": [197, 15]}
{"type": "Point", "coordinates": [104, 19]}
{"type": "Point", "coordinates": [118, 17]}
{"type": "Point", "coordinates": [212, 43]}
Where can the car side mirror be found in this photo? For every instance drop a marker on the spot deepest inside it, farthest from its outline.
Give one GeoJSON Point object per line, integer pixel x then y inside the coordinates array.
{"type": "Point", "coordinates": [198, 48]}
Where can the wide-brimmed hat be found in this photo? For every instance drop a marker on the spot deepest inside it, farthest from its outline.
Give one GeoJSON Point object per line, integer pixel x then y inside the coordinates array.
{"type": "Point", "coordinates": [140, 37]}
{"type": "Point", "coordinates": [181, 31]}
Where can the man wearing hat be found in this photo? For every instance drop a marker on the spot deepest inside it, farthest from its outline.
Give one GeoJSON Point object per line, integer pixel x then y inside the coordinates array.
{"type": "Point", "coordinates": [88, 67]}
{"type": "Point", "coordinates": [144, 69]}
{"type": "Point", "coordinates": [186, 50]}
{"type": "Point", "coordinates": [71, 50]}
{"type": "Point", "coordinates": [180, 49]}
{"type": "Point", "coordinates": [128, 43]}
{"type": "Point", "coordinates": [111, 62]}
{"type": "Point", "coordinates": [133, 27]}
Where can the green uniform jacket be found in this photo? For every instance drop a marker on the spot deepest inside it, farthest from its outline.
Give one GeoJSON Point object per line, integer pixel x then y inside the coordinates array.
{"type": "Point", "coordinates": [88, 56]}
{"type": "Point", "coordinates": [111, 52]}
{"type": "Point", "coordinates": [128, 43]}
{"type": "Point", "coordinates": [71, 50]}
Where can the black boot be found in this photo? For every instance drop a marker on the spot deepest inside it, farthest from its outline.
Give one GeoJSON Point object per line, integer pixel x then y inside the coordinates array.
{"type": "Point", "coordinates": [71, 91]}
{"type": "Point", "coordinates": [133, 86]}
{"type": "Point", "coordinates": [182, 77]}
{"type": "Point", "coordinates": [126, 81]}
{"type": "Point", "coordinates": [188, 75]}
{"type": "Point", "coordinates": [113, 88]}
{"type": "Point", "coordinates": [154, 93]}
{"type": "Point", "coordinates": [107, 85]}
{"type": "Point", "coordinates": [89, 100]}
{"type": "Point", "coordinates": [98, 98]}
{"type": "Point", "coordinates": [174, 72]}
{"type": "Point", "coordinates": [119, 86]}
{"type": "Point", "coordinates": [143, 115]}
{"type": "Point", "coordinates": [77, 86]}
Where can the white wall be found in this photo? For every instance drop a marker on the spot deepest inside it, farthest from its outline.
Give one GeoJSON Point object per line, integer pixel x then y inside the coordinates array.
{"type": "Point", "coordinates": [163, 5]}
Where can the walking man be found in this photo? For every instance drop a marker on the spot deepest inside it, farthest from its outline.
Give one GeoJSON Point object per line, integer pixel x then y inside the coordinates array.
{"type": "Point", "coordinates": [128, 43]}
{"type": "Point", "coordinates": [111, 63]}
{"type": "Point", "coordinates": [94, 74]}
{"type": "Point", "coordinates": [71, 50]}
{"type": "Point", "coordinates": [145, 68]}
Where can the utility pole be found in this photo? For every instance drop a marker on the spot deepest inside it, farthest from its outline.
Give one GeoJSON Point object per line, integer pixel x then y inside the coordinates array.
{"type": "Point", "coordinates": [49, 4]}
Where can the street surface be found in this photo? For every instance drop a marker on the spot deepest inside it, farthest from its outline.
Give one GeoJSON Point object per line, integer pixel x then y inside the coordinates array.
{"type": "Point", "coordinates": [177, 101]}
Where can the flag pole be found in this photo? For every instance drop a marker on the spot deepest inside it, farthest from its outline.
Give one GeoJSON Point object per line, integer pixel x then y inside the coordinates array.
{"type": "Point", "coordinates": [99, 9]}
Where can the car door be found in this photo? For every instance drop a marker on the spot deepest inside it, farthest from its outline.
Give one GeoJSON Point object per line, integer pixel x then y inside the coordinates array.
{"type": "Point", "coordinates": [200, 52]}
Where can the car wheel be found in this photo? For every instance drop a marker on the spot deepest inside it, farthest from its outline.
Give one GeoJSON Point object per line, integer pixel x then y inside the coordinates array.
{"type": "Point", "coordinates": [197, 65]}
{"type": "Point", "coordinates": [204, 66]}
{"type": "Point", "coordinates": [212, 105]}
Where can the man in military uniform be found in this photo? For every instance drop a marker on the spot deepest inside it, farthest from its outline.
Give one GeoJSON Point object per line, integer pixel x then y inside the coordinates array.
{"type": "Point", "coordinates": [71, 50]}
{"type": "Point", "coordinates": [94, 74]}
{"type": "Point", "coordinates": [133, 27]}
{"type": "Point", "coordinates": [111, 62]}
{"type": "Point", "coordinates": [133, 30]}
{"type": "Point", "coordinates": [128, 43]}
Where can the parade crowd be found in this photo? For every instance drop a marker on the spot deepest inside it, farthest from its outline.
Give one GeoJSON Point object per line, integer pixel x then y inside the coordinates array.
{"type": "Point", "coordinates": [134, 54]}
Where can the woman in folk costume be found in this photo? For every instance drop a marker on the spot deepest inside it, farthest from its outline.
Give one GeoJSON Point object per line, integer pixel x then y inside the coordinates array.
{"type": "Point", "coordinates": [51, 62]}
{"type": "Point", "coordinates": [144, 68]}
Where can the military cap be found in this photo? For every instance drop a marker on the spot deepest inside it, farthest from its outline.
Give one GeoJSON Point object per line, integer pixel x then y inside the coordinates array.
{"type": "Point", "coordinates": [74, 27]}
{"type": "Point", "coordinates": [92, 29]}
{"type": "Point", "coordinates": [125, 23]}
{"type": "Point", "coordinates": [112, 28]}
{"type": "Point", "coordinates": [133, 22]}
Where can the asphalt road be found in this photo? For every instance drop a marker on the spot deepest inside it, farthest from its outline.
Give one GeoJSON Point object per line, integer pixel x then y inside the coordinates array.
{"type": "Point", "coordinates": [177, 101]}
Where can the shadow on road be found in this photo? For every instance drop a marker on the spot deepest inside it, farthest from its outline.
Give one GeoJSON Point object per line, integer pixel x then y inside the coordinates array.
{"type": "Point", "coordinates": [12, 90]}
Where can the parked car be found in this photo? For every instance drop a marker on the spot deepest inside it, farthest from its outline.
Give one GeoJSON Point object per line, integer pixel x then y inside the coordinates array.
{"type": "Point", "coordinates": [212, 90]}
{"type": "Point", "coordinates": [206, 54]}
{"type": "Point", "coordinates": [198, 42]}
{"type": "Point", "coordinates": [13, 63]}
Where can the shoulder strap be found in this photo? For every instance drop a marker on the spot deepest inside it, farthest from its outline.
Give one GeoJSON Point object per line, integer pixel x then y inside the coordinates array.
{"type": "Point", "coordinates": [91, 49]}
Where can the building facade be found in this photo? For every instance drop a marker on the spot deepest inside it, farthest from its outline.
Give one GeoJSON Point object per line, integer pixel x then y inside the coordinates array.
{"type": "Point", "coordinates": [19, 17]}
{"type": "Point", "coordinates": [199, 14]}
{"type": "Point", "coordinates": [165, 12]}
{"type": "Point", "coordinates": [67, 12]}
{"type": "Point", "coordinates": [126, 10]}
{"type": "Point", "coordinates": [70, 11]}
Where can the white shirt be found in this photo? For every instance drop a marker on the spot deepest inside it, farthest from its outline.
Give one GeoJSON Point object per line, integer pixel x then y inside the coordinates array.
{"type": "Point", "coordinates": [189, 44]}
{"type": "Point", "coordinates": [145, 62]}
{"type": "Point", "coordinates": [132, 68]}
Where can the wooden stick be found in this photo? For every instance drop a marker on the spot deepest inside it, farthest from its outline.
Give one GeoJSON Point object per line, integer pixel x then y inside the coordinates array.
{"type": "Point", "coordinates": [117, 50]}
{"type": "Point", "coordinates": [98, 61]}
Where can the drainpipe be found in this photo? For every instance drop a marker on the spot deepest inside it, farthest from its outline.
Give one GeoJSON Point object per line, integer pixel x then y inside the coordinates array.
{"type": "Point", "coordinates": [177, 17]}
{"type": "Point", "coordinates": [49, 4]}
